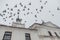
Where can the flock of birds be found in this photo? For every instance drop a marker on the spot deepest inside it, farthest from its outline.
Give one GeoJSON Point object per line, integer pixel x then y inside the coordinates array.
{"type": "Point", "coordinates": [11, 14]}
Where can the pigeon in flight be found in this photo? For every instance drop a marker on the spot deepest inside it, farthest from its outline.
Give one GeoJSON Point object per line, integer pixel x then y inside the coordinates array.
{"type": "Point", "coordinates": [35, 20]}
{"type": "Point", "coordinates": [36, 9]}
{"type": "Point", "coordinates": [40, 10]}
{"type": "Point", "coordinates": [24, 6]}
{"type": "Point", "coordinates": [58, 8]}
{"type": "Point", "coordinates": [5, 19]}
{"type": "Point", "coordinates": [25, 21]}
{"type": "Point", "coordinates": [49, 11]}
{"type": "Point", "coordinates": [7, 8]}
{"type": "Point", "coordinates": [35, 16]}
{"type": "Point", "coordinates": [23, 9]}
{"type": "Point", "coordinates": [1, 15]}
{"type": "Point", "coordinates": [45, 2]}
{"type": "Point", "coordinates": [40, 0]}
{"type": "Point", "coordinates": [29, 3]}
{"type": "Point", "coordinates": [27, 13]}
{"type": "Point", "coordinates": [4, 11]}
{"type": "Point", "coordinates": [28, 9]}
{"type": "Point", "coordinates": [41, 7]}
{"type": "Point", "coordinates": [11, 9]}
{"type": "Point", "coordinates": [6, 4]}
{"type": "Point", "coordinates": [24, 14]}
{"type": "Point", "coordinates": [15, 6]}
{"type": "Point", "coordinates": [14, 14]}
{"type": "Point", "coordinates": [18, 10]}
{"type": "Point", "coordinates": [37, 12]}
{"type": "Point", "coordinates": [52, 14]}
{"type": "Point", "coordinates": [11, 18]}
{"type": "Point", "coordinates": [21, 4]}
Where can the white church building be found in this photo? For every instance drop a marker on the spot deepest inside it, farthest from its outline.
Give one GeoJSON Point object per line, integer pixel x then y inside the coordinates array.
{"type": "Point", "coordinates": [44, 31]}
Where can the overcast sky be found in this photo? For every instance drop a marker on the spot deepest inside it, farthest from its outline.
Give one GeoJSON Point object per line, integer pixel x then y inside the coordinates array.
{"type": "Point", "coordinates": [32, 13]}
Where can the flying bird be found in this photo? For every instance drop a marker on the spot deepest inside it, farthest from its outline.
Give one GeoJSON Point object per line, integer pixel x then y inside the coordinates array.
{"type": "Point", "coordinates": [58, 8]}
{"type": "Point", "coordinates": [31, 13]}
{"type": "Point", "coordinates": [15, 6]}
{"type": "Point", "coordinates": [40, 10]}
{"type": "Point", "coordinates": [9, 23]}
{"type": "Point", "coordinates": [7, 8]}
{"type": "Point", "coordinates": [41, 7]}
{"type": "Point", "coordinates": [37, 12]}
{"type": "Point", "coordinates": [45, 2]}
{"type": "Point", "coordinates": [49, 11]}
{"type": "Point", "coordinates": [40, 0]}
{"type": "Point", "coordinates": [24, 6]}
{"type": "Point", "coordinates": [27, 13]}
{"type": "Point", "coordinates": [11, 9]}
{"type": "Point", "coordinates": [35, 16]}
{"type": "Point", "coordinates": [36, 9]}
{"type": "Point", "coordinates": [25, 21]}
{"type": "Point", "coordinates": [14, 14]}
{"type": "Point", "coordinates": [35, 20]}
{"type": "Point", "coordinates": [6, 17]}
{"type": "Point", "coordinates": [11, 18]}
{"type": "Point", "coordinates": [1, 15]}
{"type": "Point", "coordinates": [24, 14]}
{"type": "Point", "coordinates": [3, 18]}
{"type": "Point", "coordinates": [52, 14]}
{"type": "Point", "coordinates": [10, 12]}
{"type": "Point", "coordinates": [6, 4]}
{"type": "Point", "coordinates": [28, 9]}
{"type": "Point", "coordinates": [21, 4]}
{"type": "Point", "coordinates": [29, 3]}
{"type": "Point", "coordinates": [23, 9]}
{"type": "Point", "coordinates": [4, 11]}
{"type": "Point", "coordinates": [18, 10]}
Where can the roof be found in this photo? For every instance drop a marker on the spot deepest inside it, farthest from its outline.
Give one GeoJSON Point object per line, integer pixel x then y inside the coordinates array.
{"type": "Point", "coordinates": [47, 24]}
{"type": "Point", "coordinates": [55, 26]}
{"type": "Point", "coordinates": [15, 27]}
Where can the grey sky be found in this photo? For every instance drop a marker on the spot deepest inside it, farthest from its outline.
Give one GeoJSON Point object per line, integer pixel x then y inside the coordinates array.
{"type": "Point", "coordinates": [51, 6]}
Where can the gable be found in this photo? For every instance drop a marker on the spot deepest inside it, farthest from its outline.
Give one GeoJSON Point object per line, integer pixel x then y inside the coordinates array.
{"type": "Point", "coordinates": [35, 25]}
{"type": "Point", "coordinates": [50, 24]}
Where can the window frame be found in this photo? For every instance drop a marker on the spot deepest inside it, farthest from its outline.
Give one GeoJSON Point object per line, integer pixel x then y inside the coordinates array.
{"type": "Point", "coordinates": [27, 36]}
{"type": "Point", "coordinates": [50, 33]}
{"type": "Point", "coordinates": [7, 35]}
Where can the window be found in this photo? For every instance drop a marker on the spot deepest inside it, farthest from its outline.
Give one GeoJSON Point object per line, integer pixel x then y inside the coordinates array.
{"type": "Point", "coordinates": [56, 34]}
{"type": "Point", "coordinates": [50, 33]}
{"type": "Point", "coordinates": [27, 36]}
{"type": "Point", "coordinates": [7, 35]}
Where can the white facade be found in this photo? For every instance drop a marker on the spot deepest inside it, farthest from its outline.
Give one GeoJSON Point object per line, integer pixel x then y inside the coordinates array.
{"type": "Point", "coordinates": [37, 31]}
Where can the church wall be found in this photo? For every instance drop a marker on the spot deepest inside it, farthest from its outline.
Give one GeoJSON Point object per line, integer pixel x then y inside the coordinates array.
{"type": "Point", "coordinates": [40, 34]}
{"type": "Point", "coordinates": [44, 35]}
{"type": "Point", "coordinates": [18, 34]}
